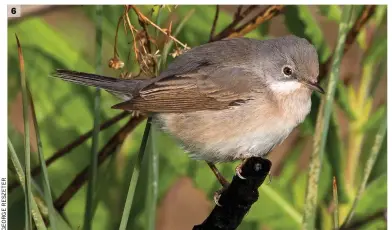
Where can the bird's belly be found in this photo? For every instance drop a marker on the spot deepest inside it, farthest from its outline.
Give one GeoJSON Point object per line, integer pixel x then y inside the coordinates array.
{"type": "Point", "coordinates": [252, 144]}
{"type": "Point", "coordinates": [225, 138]}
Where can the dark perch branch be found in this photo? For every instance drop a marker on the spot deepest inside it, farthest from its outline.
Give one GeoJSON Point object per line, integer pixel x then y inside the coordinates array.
{"type": "Point", "coordinates": [67, 149]}
{"type": "Point", "coordinates": [239, 197]}
{"type": "Point", "coordinates": [105, 152]}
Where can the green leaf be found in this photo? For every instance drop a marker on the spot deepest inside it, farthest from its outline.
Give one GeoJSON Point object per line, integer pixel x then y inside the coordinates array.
{"type": "Point", "coordinates": [332, 12]}
{"type": "Point", "coordinates": [377, 50]}
{"type": "Point", "coordinates": [26, 126]}
{"type": "Point", "coordinates": [368, 167]}
{"type": "Point", "coordinates": [45, 179]}
{"type": "Point", "coordinates": [374, 198]}
{"type": "Point", "coordinates": [34, 211]}
{"type": "Point", "coordinates": [374, 119]}
{"type": "Point", "coordinates": [300, 21]}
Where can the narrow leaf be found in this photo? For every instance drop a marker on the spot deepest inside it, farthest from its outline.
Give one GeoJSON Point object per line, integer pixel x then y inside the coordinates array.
{"type": "Point", "coordinates": [26, 135]}
{"type": "Point", "coordinates": [368, 167]}
{"type": "Point", "coordinates": [39, 222]}
{"type": "Point", "coordinates": [135, 177]}
{"type": "Point", "coordinates": [47, 193]}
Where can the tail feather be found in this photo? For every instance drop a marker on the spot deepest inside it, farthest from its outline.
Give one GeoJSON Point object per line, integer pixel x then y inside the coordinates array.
{"type": "Point", "coordinates": [115, 85]}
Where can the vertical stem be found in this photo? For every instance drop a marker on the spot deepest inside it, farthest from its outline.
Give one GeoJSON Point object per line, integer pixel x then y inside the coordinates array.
{"type": "Point", "coordinates": [135, 177]}
{"type": "Point", "coordinates": [153, 181]}
{"type": "Point", "coordinates": [89, 212]}
{"type": "Point", "coordinates": [322, 125]}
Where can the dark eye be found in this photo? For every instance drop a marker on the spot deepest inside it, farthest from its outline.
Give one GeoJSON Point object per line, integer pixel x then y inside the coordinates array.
{"type": "Point", "coordinates": [287, 71]}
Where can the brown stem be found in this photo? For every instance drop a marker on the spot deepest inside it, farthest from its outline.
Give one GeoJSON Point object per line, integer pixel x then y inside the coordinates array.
{"type": "Point", "coordinates": [237, 19]}
{"type": "Point", "coordinates": [67, 149]}
{"type": "Point", "coordinates": [115, 53]}
{"type": "Point", "coordinates": [110, 147]}
{"type": "Point", "coordinates": [214, 23]}
{"type": "Point", "coordinates": [366, 14]}
{"type": "Point", "coordinates": [266, 14]}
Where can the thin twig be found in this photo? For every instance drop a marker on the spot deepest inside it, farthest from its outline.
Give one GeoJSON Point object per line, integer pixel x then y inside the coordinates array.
{"type": "Point", "coordinates": [214, 22]}
{"type": "Point", "coordinates": [67, 149]}
{"type": "Point", "coordinates": [115, 53]}
{"type": "Point", "coordinates": [132, 29]}
{"type": "Point", "coordinates": [110, 147]}
{"type": "Point", "coordinates": [238, 12]}
{"type": "Point", "coordinates": [266, 14]}
{"type": "Point", "coordinates": [140, 14]}
{"type": "Point", "coordinates": [238, 17]}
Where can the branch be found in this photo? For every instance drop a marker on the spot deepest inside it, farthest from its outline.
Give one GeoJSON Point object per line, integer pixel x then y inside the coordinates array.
{"type": "Point", "coordinates": [239, 196]}
{"type": "Point", "coordinates": [366, 14]}
{"type": "Point", "coordinates": [237, 19]}
{"type": "Point", "coordinates": [266, 14]}
{"type": "Point", "coordinates": [214, 23]}
{"type": "Point", "coordinates": [105, 152]}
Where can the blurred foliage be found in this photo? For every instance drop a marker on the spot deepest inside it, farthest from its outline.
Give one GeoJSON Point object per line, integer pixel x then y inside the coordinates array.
{"type": "Point", "coordinates": [65, 111]}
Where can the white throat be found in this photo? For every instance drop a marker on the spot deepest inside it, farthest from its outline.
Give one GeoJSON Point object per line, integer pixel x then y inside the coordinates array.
{"type": "Point", "coordinates": [285, 86]}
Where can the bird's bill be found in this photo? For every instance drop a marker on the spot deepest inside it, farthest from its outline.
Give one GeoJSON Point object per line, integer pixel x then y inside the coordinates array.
{"type": "Point", "coordinates": [313, 86]}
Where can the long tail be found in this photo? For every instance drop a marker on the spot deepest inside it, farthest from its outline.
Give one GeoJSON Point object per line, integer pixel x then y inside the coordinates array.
{"type": "Point", "coordinates": [115, 85]}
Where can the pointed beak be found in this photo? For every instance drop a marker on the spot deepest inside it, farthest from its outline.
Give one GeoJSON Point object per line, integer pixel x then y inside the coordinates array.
{"type": "Point", "coordinates": [313, 86]}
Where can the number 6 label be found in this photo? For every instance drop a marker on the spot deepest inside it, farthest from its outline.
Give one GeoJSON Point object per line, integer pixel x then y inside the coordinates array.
{"type": "Point", "coordinates": [13, 11]}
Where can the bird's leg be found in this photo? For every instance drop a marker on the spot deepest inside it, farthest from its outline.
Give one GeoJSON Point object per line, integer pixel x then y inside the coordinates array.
{"type": "Point", "coordinates": [238, 169]}
{"type": "Point", "coordinates": [222, 180]}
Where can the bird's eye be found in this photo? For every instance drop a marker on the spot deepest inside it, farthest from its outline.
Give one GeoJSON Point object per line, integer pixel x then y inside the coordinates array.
{"type": "Point", "coordinates": [287, 71]}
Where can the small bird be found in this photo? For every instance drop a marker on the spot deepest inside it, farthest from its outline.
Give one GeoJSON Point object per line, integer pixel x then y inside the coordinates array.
{"type": "Point", "coordinates": [226, 100]}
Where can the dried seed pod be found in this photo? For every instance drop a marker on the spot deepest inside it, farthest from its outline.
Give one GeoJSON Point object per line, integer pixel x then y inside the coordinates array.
{"type": "Point", "coordinates": [116, 63]}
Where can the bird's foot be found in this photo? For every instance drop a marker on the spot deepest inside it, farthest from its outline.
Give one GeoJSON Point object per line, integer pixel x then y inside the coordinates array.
{"type": "Point", "coordinates": [238, 169]}
{"type": "Point", "coordinates": [218, 194]}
